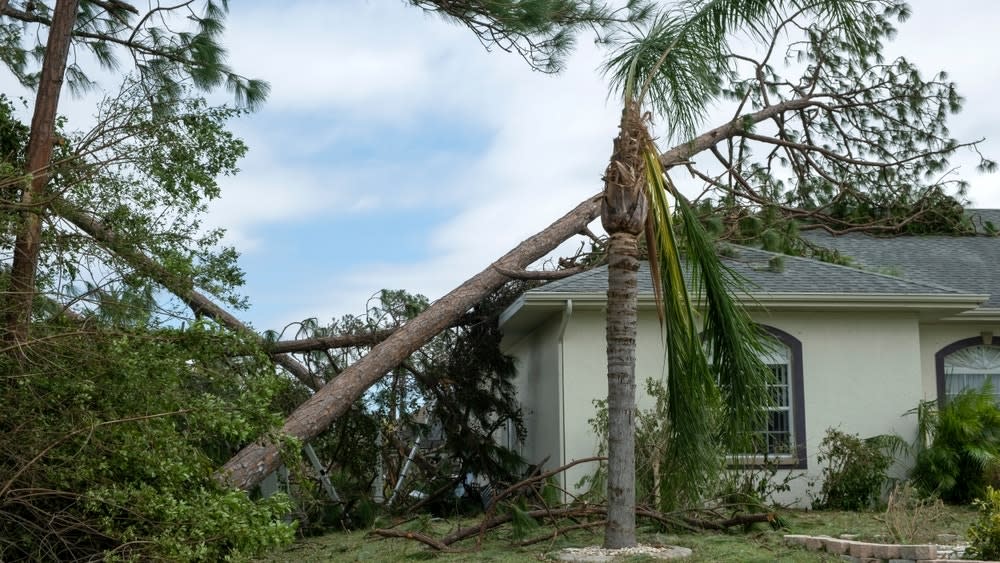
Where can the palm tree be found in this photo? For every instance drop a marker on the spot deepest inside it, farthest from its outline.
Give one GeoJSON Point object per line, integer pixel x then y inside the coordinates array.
{"type": "Point", "coordinates": [675, 69]}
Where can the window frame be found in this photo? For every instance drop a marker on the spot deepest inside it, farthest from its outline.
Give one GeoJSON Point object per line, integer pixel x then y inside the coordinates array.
{"type": "Point", "coordinates": [950, 349]}
{"type": "Point", "coordinates": [799, 459]}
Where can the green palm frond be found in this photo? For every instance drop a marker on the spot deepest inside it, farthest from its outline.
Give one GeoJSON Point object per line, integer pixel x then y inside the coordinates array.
{"type": "Point", "coordinates": [691, 390]}
{"type": "Point", "coordinates": [677, 65]}
{"type": "Point", "coordinates": [736, 343]}
{"type": "Point", "coordinates": [736, 378]}
{"type": "Point", "coordinates": [682, 76]}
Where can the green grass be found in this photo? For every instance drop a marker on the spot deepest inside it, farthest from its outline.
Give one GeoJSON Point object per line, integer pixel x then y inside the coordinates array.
{"type": "Point", "coordinates": [760, 544]}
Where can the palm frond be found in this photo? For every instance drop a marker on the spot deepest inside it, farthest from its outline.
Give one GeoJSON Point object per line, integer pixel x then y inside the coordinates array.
{"type": "Point", "coordinates": [736, 343]}
{"type": "Point", "coordinates": [736, 379]}
{"type": "Point", "coordinates": [677, 65]}
{"type": "Point", "coordinates": [682, 76]}
{"type": "Point", "coordinates": [691, 390]}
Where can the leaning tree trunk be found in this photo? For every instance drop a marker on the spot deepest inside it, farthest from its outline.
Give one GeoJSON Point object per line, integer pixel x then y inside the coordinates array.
{"type": "Point", "coordinates": [181, 287]}
{"type": "Point", "coordinates": [257, 460]}
{"type": "Point", "coordinates": [27, 245]}
{"type": "Point", "coordinates": [623, 215]}
{"type": "Point", "coordinates": [252, 464]}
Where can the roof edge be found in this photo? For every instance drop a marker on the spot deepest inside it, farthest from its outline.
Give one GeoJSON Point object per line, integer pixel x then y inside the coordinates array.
{"type": "Point", "coordinates": [882, 301]}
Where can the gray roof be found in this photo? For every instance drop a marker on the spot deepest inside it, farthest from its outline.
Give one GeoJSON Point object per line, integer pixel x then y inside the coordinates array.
{"type": "Point", "coordinates": [968, 263]}
{"type": "Point", "coordinates": [796, 275]}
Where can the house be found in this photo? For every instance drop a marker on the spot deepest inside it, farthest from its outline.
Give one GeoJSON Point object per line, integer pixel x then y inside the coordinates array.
{"type": "Point", "coordinates": [917, 319]}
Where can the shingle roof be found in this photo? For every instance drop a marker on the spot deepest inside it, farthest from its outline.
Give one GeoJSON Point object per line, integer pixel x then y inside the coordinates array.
{"type": "Point", "coordinates": [797, 275]}
{"type": "Point", "coordinates": [971, 264]}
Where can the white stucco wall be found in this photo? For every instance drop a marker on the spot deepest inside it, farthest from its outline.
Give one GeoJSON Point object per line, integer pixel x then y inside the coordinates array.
{"type": "Point", "coordinates": [585, 363]}
{"type": "Point", "coordinates": [861, 372]}
{"type": "Point", "coordinates": [537, 360]}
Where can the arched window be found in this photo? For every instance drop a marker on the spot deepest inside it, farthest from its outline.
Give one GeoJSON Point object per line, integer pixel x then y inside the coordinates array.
{"type": "Point", "coordinates": [783, 440]}
{"type": "Point", "coordinates": [968, 364]}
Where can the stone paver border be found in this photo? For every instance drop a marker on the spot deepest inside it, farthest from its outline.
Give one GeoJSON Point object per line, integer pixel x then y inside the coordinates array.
{"type": "Point", "coordinates": [865, 552]}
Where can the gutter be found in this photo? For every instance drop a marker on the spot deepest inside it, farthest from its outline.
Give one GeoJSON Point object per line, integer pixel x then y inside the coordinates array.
{"type": "Point", "coordinates": [982, 314]}
{"type": "Point", "coordinates": [810, 301]}
{"type": "Point", "coordinates": [566, 314]}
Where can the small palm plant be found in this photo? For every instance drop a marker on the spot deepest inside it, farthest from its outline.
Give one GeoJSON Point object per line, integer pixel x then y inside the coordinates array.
{"type": "Point", "coordinates": [676, 68]}
{"type": "Point", "coordinates": [958, 446]}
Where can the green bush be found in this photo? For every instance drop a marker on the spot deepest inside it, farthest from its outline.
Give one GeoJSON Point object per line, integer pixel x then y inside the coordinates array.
{"type": "Point", "coordinates": [984, 535]}
{"type": "Point", "coordinates": [855, 471]}
{"type": "Point", "coordinates": [109, 441]}
{"type": "Point", "coordinates": [958, 446]}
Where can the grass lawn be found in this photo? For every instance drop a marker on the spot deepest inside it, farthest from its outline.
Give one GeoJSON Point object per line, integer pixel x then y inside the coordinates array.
{"type": "Point", "coordinates": [757, 545]}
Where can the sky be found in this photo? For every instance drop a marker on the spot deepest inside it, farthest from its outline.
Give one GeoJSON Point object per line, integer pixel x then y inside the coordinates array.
{"type": "Point", "coordinates": [395, 152]}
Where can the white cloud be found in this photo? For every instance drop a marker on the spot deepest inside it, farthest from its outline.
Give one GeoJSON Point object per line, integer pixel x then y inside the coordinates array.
{"type": "Point", "coordinates": [378, 60]}
{"type": "Point", "coordinates": [552, 142]}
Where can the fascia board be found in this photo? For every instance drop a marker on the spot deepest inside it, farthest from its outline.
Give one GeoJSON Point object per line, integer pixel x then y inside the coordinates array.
{"type": "Point", "coordinates": [790, 301]}
{"type": "Point", "coordinates": [977, 315]}
{"type": "Point", "coordinates": [511, 310]}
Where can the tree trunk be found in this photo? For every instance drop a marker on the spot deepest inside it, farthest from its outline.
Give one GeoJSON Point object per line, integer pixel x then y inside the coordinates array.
{"type": "Point", "coordinates": [27, 245]}
{"type": "Point", "coordinates": [249, 466]}
{"type": "Point", "coordinates": [623, 268]}
{"type": "Point", "coordinates": [257, 460]}
{"type": "Point", "coordinates": [623, 213]}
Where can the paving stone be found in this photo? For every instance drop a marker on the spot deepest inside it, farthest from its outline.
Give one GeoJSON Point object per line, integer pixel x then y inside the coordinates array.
{"type": "Point", "coordinates": [918, 552]}
{"type": "Point", "coordinates": [795, 539]}
{"type": "Point", "coordinates": [814, 544]}
{"type": "Point", "coordinates": [837, 547]}
{"type": "Point", "coordinates": [861, 549]}
{"type": "Point", "coordinates": [885, 551]}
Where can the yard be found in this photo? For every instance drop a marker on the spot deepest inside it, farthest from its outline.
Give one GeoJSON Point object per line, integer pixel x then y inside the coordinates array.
{"type": "Point", "coordinates": [760, 544]}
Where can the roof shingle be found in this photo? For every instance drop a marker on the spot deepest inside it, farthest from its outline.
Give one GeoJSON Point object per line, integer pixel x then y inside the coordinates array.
{"type": "Point", "coordinates": [969, 263]}
{"type": "Point", "coordinates": [797, 275]}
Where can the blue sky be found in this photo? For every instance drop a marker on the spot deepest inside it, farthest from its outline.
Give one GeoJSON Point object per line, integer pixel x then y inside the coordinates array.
{"type": "Point", "coordinates": [396, 152]}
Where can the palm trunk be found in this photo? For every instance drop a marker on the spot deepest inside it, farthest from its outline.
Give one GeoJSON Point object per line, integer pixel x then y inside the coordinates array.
{"type": "Point", "coordinates": [623, 215]}
{"type": "Point", "coordinates": [623, 266]}
{"type": "Point", "coordinates": [27, 245]}
{"type": "Point", "coordinates": [248, 467]}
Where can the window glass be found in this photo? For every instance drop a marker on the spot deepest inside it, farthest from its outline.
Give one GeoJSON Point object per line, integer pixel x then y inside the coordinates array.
{"type": "Point", "coordinates": [776, 439]}
{"type": "Point", "coordinates": [972, 368]}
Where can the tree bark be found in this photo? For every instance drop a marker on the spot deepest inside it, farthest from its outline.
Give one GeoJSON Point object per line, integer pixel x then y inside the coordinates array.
{"type": "Point", "coordinates": [624, 209]}
{"type": "Point", "coordinates": [623, 268]}
{"type": "Point", "coordinates": [329, 342]}
{"type": "Point", "coordinates": [257, 460]}
{"type": "Point", "coordinates": [27, 245]}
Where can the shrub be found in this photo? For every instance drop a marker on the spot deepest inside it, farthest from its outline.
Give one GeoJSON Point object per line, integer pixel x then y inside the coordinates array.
{"type": "Point", "coordinates": [747, 487]}
{"type": "Point", "coordinates": [910, 518]}
{"type": "Point", "coordinates": [958, 446]}
{"type": "Point", "coordinates": [855, 471]}
{"type": "Point", "coordinates": [658, 482]}
{"type": "Point", "coordinates": [984, 535]}
{"type": "Point", "coordinates": [109, 442]}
